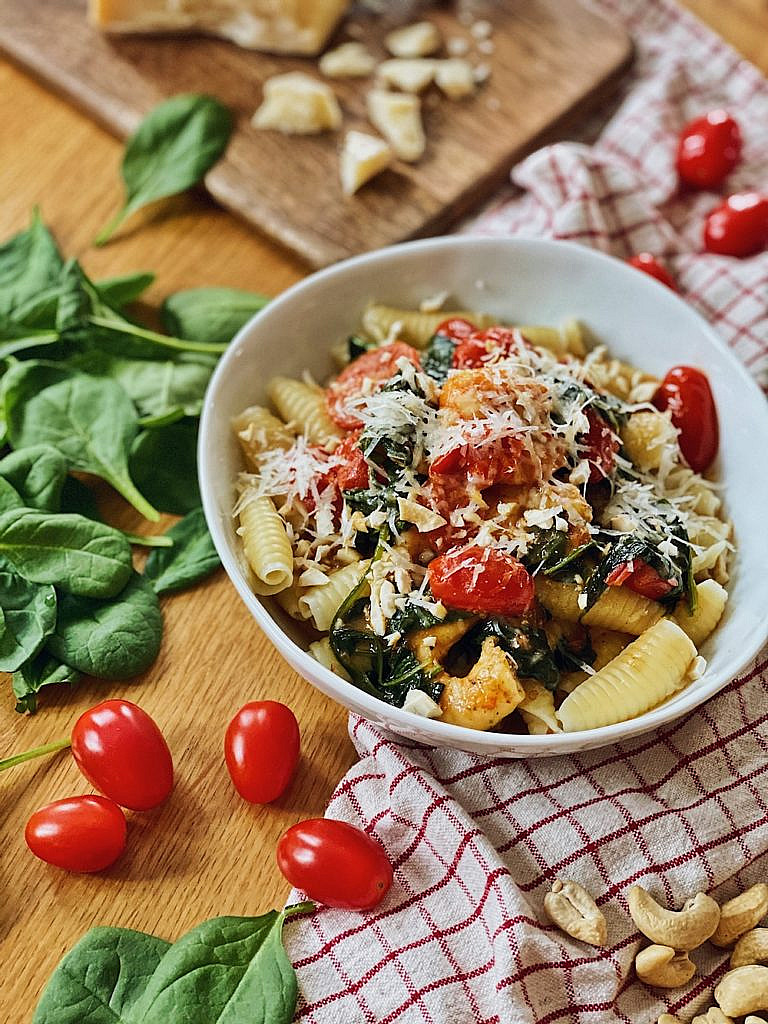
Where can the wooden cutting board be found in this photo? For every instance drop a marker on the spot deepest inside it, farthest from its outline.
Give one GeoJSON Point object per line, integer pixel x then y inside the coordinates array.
{"type": "Point", "coordinates": [551, 61]}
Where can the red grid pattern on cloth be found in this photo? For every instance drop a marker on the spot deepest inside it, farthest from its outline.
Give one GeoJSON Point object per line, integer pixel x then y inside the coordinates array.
{"type": "Point", "coordinates": [476, 842]}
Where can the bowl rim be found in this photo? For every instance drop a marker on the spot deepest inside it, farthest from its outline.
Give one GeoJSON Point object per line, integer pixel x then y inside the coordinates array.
{"type": "Point", "coordinates": [332, 685]}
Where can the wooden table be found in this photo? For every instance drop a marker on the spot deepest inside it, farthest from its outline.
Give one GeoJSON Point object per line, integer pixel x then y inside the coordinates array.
{"type": "Point", "coordinates": [206, 852]}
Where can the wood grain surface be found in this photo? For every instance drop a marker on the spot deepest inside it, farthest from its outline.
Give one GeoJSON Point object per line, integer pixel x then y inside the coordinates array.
{"type": "Point", "coordinates": [206, 852]}
{"type": "Point", "coordinates": [562, 54]}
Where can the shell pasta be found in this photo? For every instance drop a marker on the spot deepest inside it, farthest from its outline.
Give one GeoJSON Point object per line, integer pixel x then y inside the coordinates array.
{"type": "Point", "coordinates": [486, 524]}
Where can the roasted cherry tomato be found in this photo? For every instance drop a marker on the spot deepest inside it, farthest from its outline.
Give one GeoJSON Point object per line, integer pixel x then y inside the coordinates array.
{"type": "Point", "coordinates": [482, 464]}
{"type": "Point", "coordinates": [686, 393]}
{"type": "Point", "coordinates": [640, 577]}
{"type": "Point", "coordinates": [456, 328]}
{"type": "Point", "coordinates": [708, 150]}
{"type": "Point", "coordinates": [478, 579]}
{"type": "Point", "coordinates": [600, 445]}
{"type": "Point", "coordinates": [80, 833]}
{"type": "Point", "coordinates": [335, 864]}
{"type": "Point", "coordinates": [739, 226]}
{"type": "Point", "coordinates": [650, 265]}
{"type": "Point", "coordinates": [379, 365]}
{"type": "Point", "coordinates": [474, 350]}
{"type": "Point", "coordinates": [121, 752]}
{"type": "Point", "coordinates": [353, 473]}
{"type": "Point", "coordinates": [261, 748]}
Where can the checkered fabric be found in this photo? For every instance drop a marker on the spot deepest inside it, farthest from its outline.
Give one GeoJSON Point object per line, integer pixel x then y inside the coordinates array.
{"type": "Point", "coordinates": [476, 842]}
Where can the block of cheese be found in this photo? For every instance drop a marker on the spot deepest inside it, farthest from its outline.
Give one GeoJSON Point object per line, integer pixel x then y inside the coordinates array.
{"type": "Point", "coordinates": [397, 115]}
{"type": "Point", "coordinates": [277, 26]}
{"type": "Point", "coordinates": [298, 104]}
{"type": "Point", "coordinates": [362, 157]}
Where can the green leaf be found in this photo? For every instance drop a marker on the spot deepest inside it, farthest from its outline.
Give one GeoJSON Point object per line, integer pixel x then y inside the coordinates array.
{"type": "Point", "coordinates": [159, 540]}
{"type": "Point", "coordinates": [30, 262]}
{"type": "Point", "coordinates": [38, 474]}
{"type": "Point", "coordinates": [9, 496]}
{"type": "Point", "coordinates": [174, 147]}
{"type": "Point", "coordinates": [210, 314]}
{"type": "Point", "coordinates": [114, 639]}
{"type": "Point", "coordinates": [101, 978]}
{"type": "Point", "coordinates": [30, 616]}
{"type": "Point", "coordinates": [192, 557]}
{"type": "Point", "coordinates": [438, 358]}
{"type": "Point", "coordinates": [32, 676]}
{"type": "Point", "coordinates": [77, 554]}
{"type": "Point", "coordinates": [120, 291]}
{"type": "Point", "coordinates": [164, 465]}
{"type": "Point", "coordinates": [78, 497]}
{"type": "Point", "coordinates": [91, 421]}
{"type": "Point", "coordinates": [230, 970]}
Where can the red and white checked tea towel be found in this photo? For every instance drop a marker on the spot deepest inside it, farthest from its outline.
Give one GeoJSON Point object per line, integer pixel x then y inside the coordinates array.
{"type": "Point", "coordinates": [476, 842]}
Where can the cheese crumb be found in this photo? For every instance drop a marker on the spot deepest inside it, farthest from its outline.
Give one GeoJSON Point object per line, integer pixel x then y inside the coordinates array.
{"type": "Point", "coordinates": [297, 104]}
{"type": "Point", "coordinates": [420, 703]}
{"type": "Point", "coordinates": [407, 75]}
{"type": "Point", "coordinates": [455, 78]}
{"type": "Point", "coordinates": [417, 40]}
{"type": "Point", "coordinates": [362, 157]}
{"type": "Point", "coordinates": [350, 60]}
{"type": "Point", "coordinates": [398, 117]}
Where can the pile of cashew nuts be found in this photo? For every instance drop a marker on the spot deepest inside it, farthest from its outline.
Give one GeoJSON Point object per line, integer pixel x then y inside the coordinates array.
{"type": "Point", "coordinates": [674, 934]}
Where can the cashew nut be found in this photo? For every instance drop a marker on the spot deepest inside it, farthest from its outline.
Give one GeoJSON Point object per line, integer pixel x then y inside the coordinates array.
{"type": "Point", "coordinates": [662, 967]}
{"type": "Point", "coordinates": [751, 948]}
{"type": "Point", "coordinates": [741, 914]}
{"type": "Point", "coordinates": [682, 929]}
{"type": "Point", "coordinates": [743, 991]}
{"type": "Point", "coordinates": [571, 908]}
{"type": "Point", "coordinates": [714, 1015]}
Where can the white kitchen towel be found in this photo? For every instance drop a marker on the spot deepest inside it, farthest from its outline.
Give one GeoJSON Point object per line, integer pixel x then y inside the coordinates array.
{"type": "Point", "coordinates": [461, 938]}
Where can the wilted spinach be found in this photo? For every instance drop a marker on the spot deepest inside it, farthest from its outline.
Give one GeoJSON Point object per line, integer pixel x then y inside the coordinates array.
{"type": "Point", "coordinates": [527, 645]}
{"type": "Point", "coordinates": [438, 358]}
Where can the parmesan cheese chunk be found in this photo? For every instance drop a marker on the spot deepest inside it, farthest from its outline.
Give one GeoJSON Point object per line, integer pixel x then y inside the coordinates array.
{"type": "Point", "coordinates": [455, 78]}
{"type": "Point", "coordinates": [424, 519]}
{"type": "Point", "coordinates": [362, 157]}
{"type": "Point", "coordinates": [350, 60]}
{"type": "Point", "coordinates": [420, 703]}
{"type": "Point", "coordinates": [417, 40]}
{"type": "Point", "coordinates": [407, 75]}
{"type": "Point", "coordinates": [297, 104]}
{"type": "Point", "coordinates": [398, 117]}
{"type": "Point", "coordinates": [276, 26]}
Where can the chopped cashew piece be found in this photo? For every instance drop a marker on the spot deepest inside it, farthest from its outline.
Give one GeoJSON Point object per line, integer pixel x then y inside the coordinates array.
{"type": "Point", "coordinates": [751, 948]}
{"type": "Point", "coordinates": [407, 75]}
{"type": "Point", "coordinates": [455, 78]}
{"type": "Point", "coordinates": [297, 104]}
{"type": "Point", "coordinates": [683, 929]}
{"type": "Point", "coordinates": [743, 991]}
{"type": "Point", "coordinates": [714, 1015]}
{"type": "Point", "coordinates": [489, 693]}
{"type": "Point", "coordinates": [572, 909]}
{"type": "Point", "coordinates": [417, 40]}
{"type": "Point", "coordinates": [398, 117]}
{"type": "Point", "coordinates": [362, 157]}
{"type": "Point", "coordinates": [662, 967]}
{"type": "Point", "coordinates": [741, 914]}
{"type": "Point", "coordinates": [350, 60]}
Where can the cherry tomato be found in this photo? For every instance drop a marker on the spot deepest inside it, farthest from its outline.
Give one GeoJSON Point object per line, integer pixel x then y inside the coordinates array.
{"type": "Point", "coordinates": [650, 265]}
{"type": "Point", "coordinates": [121, 752]}
{"type": "Point", "coordinates": [261, 748]}
{"type": "Point", "coordinates": [600, 445]}
{"type": "Point", "coordinates": [708, 150]}
{"type": "Point", "coordinates": [353, 473]}
{"type": "Point", "coordinates": [482, 464]}
{"type": "Point", "coordinates": [80, 833]}
{"type": "Point", "coordinates": [640, 577]}
{"type": "Point", "coordinates": [335, 864]}
{"type": "Point", "coordinates": [456, 328]}
{"type": "Point", "coordinates": [474, 350]}
{"type": "Point", "coordinates": [685, 391]}
{"type": "Point", "coordinates": [478, 579]}
{"type": "Point", "coordinates": [379, 365]}
{"type": "Point", "coordinates": [739, 226]}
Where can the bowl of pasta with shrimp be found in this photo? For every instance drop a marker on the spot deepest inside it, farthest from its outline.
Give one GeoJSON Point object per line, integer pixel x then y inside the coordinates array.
{"type": "Point", "coordinates": [503, 495]}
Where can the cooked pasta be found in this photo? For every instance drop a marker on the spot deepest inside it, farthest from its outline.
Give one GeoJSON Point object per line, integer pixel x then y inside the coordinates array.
{"type": "Point", "coordinates": [488, 525]}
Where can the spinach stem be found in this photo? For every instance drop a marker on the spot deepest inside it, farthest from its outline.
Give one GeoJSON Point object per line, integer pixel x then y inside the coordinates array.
{"type": "Point", "coordinates": [164, 340]}
{"type": "Point", "coordinates": [111, 227]}
{"type": "Point", "coordinates": [28, 755]}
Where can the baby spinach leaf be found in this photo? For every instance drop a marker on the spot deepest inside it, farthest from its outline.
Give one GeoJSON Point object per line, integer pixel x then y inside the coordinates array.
{"type": "Point", "coordinates": [31, 342]}
{"type": "Point", "coordinates": [42, 670]}
{"type": "Point", "coordinates": [30, 615]}
{"type": "Point", "coordinates": [38, 474]}
{"type": "Point", "coordinates": [9, 496]}
{"type": "Point", "coordinates": [120, 291]}
{"type": "Point", "coordinates": [192, 557]}
{"type": "Point", "coordinates": [90, 421]}
{"type": "Point", "coordinates": [77, 554]}
{"type": "Point", "coordinates": [210, 314]}
{"type": "Point", "coordinates": [29, 263]}
{"type": "Point", "coordinates": [158, 540]}
{"type": "Point", "coordinates": [230, 970]}
{"type": "Point", "coordinates": [113, 639]}
{"type": "Point", "coordinates": [101, 978]}
{"type": "Point", "coordinates": [164, 465]}
{"type": "Point", "coordinates": [174, 147]}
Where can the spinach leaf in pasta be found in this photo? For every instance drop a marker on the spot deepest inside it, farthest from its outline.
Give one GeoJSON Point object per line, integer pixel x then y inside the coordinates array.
{"type": "Point", "coordinates": [438, 358]}
{"type": "Point", "coordinates": [526, 644]}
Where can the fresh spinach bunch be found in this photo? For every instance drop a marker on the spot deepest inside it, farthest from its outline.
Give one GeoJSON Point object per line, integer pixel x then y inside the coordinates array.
{"type": "Point", "coordinates": [228, 968]}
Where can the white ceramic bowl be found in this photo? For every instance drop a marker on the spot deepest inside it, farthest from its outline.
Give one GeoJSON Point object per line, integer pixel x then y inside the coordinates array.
{"type": "Point", "coordinates": [524, 281]}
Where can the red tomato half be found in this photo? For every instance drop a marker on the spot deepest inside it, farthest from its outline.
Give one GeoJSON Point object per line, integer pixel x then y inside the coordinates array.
{"type": "Point", "coordinates": [739, 226]}
{"type": "Point", "coordinates": [121, 752]}
{"type": "Point", "coordinates": [261, 748]}
{"type": "Point", "coordinates": [482, 464]}
{"type": "Point", "coordinates": [335, 864]}
{"type": "Point", "coordinates": [80, 833]}
{"type": "Point", "coordinates": [477, 579]}
{"type": "Point", "coordinates": [473, 351]}
{"type": "Point", "coordinates": [352, 474]}
{"type": "Point", "coordinates": [708, 150]}
{"type": "Point", "coordinates": [685, 391]}
{"type": "Point", "coordinates": [650, 265]}
{"type": "Point", "coordinates": [379, 365]}
{"type": "Point", "coordinates": [600, 446]}
{"type": "Point", "coordinates": [640, 577]}
{"type": "Point", "coordinates": [456, 329]}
